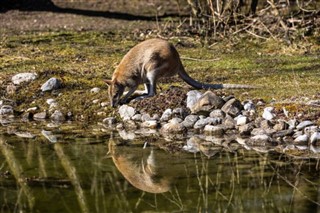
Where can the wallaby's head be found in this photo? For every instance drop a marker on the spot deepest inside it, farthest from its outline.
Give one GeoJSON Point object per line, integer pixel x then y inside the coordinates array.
{"type": "Point", "coordinates": [115, 92]}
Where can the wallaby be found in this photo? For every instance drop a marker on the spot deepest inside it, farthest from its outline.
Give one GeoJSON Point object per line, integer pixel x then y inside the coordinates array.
{"type": "Point", "coordinates": [144, 64]}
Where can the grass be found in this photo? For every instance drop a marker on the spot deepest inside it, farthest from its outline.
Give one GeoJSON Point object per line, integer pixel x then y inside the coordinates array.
{"type": "Point", "coordinates": [83, 59]}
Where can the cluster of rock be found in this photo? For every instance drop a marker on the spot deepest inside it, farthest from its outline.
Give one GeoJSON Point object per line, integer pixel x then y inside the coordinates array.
{"type": "Point", "coordinates": [7, 106]}
{"type": "Point", "coordinates": [218, 117]}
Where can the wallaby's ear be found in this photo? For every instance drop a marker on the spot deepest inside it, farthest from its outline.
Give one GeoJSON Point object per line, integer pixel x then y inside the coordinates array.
{"type": "Point", "coordinates": [108, 81]}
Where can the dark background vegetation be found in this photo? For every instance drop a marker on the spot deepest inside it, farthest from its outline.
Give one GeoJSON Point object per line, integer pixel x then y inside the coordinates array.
{"type": "Point", "coordinates": [285, 19]}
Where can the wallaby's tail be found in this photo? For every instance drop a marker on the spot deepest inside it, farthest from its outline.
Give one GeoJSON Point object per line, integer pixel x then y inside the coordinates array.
{"type": "Point", "coordinates": [198, 85]}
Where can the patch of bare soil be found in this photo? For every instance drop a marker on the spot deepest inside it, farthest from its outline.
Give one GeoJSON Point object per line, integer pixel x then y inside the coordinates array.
{"type": "Point", "coordinates": [99, 15]}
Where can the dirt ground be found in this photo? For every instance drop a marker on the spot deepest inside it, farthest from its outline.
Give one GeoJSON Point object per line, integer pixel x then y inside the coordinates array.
{"type": "Point", "coordinates": [96, 15]}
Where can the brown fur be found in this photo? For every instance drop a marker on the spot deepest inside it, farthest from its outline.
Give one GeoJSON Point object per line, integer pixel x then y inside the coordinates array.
{"type": "Point", "coordinates": [145, 63]}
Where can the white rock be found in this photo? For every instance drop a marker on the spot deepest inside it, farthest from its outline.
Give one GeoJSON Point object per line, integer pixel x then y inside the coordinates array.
{"type": "Point", "coordinates": [249, 106]}
{"type": "Point", "coordinates": [23, 77]}
{"type": "Point", "coordinates": [301, 139]}
{"type": "Point", "coordinates": [25, 135]}
{"type": "Point", "coordinates": [268, 113]}
{"type": "Point", "coordinates": [166, 115]}
{"type": "Point", "coordinates": [152, 124]}
{"type": "Point", "coordinates": [126, 112]}
{"type": "Point", "coordinates": [192, 97]}
{"type": "Point", "coordinates": [50, 101]}
{"type": "Point", "coordinates": [95, 101]}
{"type": "Point", "coordinates": [315, 138]}
{"type": "Point", "coordinates": [241, 120]}
{"type": "Point", "coordinates": [95, 90]}
{"type": "Point", "coordinates": [304, 124]}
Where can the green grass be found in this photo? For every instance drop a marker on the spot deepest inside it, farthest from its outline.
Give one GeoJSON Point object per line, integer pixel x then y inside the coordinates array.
{"type": "Point", "coordinates": [83, 59]}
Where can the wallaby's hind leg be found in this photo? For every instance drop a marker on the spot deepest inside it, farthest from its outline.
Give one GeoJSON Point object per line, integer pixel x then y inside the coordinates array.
{"type": "Point", "coordinates": [150, 86]}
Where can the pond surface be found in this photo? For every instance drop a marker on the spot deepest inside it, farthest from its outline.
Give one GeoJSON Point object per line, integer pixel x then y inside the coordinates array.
{"type": "Point", "coordinates": [89, 172]}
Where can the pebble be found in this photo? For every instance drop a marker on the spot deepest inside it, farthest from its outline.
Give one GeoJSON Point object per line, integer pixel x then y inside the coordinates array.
{"type": "Point", "coordinates": [40, 115]}
{"type": "Point", "coordinates": [166, 115]}
{"type": "Point", "coordinates": [95, 90]}
{"type": "Point", "coordinates": [51, 84]}
{"type": "Point", "coordinates": [315, 138]}
{"type": "Point", "coordinates": [268, 113]}
{"type": "Point", "coordinates": [152, 124]}
{"type": "Point", "coordinates": [304, 124]}
{"type": "Point", "coordinates": [23, 77]}
{"type": "Point", "coordinates": [241, 120]}
{"type": "Point", "coordinates": [58, 116]}
{"type": "Point", "coordinates": [25, 135]}
{"type": "Point", "coordinates": [6, 110]}
{"type": "Point", "coordinates": [301, 140]}
{"type": "Point", "coordinates": [232, 107]}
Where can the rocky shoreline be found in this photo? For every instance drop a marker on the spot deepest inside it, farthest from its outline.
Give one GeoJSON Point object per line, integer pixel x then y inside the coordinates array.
{"type": "Point", "coordinates": [213, 117]}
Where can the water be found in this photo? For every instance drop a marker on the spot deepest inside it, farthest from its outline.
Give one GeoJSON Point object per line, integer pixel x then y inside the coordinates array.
{"type": "Point", "coordinates": [88, 171]}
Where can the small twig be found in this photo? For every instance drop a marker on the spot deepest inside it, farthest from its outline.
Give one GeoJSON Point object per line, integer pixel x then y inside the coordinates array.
{"type": "Point", "coordinates": [198, 59]}
{"type": "Point", "coordinates": [251, 33]}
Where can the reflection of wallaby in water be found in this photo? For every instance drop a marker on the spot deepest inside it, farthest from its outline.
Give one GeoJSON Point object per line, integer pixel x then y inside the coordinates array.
{"type": "Point", "coordinates": [139, 169]}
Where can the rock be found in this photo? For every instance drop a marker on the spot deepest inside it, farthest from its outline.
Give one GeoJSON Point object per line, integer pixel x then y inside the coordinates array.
{"type": "Point", "coordinates": [315, 138]}
{"type": "Point", "coordinates": [130, 125]}
{"type": "Point", "coordinates": [292, 123]}
{"type": "Point", "coordinates": [241, 120]}
{"type": "Point", "coordinates": [58, 116]}
{"type": "Point", "coordinates": [152, 124]}
{"type": "Point", "coordinates": [95, 90]}
{"type": "Point", "coordinates": [192, 144]}
{"type": "Point", "coordinates": [304, 124]}
{"type": "Point", "coordinates": [145, 117]}
{"type": "Point", "coordinates": [229, 122]}
{"type": "Point", "coordinates": [283, 133]}
{"type": "Point", "coordinates": [301, 140]}
{"type": "Point", "coordinates": [155, 117]}
{"type": "Point", "coordinates": [110, 121]}
{"type": "Point", "coordinates": [203, 122]}
{"type": "Point", "coordinates": [126, 112]}
{"type": "Point", "coordinates": [232, 107]}
{"type": "Point", "coordinates": [259, 140]}
{"type": "Point", "coordinates": [51, 84]}
{"type": "Point", "coordinates": [173, 128]}
{"type": "Point", "coordinates": [1, 103]}
{"type": "Point", "coordinates": [104, 104]}
{"type": "Point", "coordinates": [166, 115]}
{"type": "Point", "coordinates": [217, 113]}
{"type": "Point", "coordinates": [137, 117]}
{"type": "Point", "coordinates": [25, 135]}
{"type": "Point", "coordinates": [40, 115]}
{"type": "Point", "coordinates": [50, 101]}
{"type": "Point", "coordinates": [260, 131]}
{"type": "Point", "coordinates": [214, 130]}
{"type": "Point", "coordinates": [193, 97]}
{"type": "Point", "coordinates": [190, 120]}
{"type": "Point", "coordinates": [32, 109]}
{"type": "Point", "coordinates": [127, 135]}
{"type": "Point", "coordinates": [309, 130]}
{"type": "Point", "coordinates": [23, 77]}
{"type": "Point", "coordinates": [11, 89]}
{"type": "Point", "coordinates": [180, 112]}
{"type": "Point", "coordinates": [206, 103]}
{"type": "Point", "coordinates": [50, 136]}
{"type": "Point", "coordinates": [265, 124]}
{"type": "Point", "coordinates": [6, 110]}
{"type": "Point", "coordinates": [249, 106]}
{"type": "Point", "coordinates": [268, 113]}
{"type": "Point", "coordinates": [246, 129]}
{"type": "Point", "coordinates": [281, 125]}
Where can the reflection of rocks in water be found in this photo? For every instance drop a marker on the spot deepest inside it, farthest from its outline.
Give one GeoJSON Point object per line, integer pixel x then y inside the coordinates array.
{"type": "Point", "coordinates": [141, 168]}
